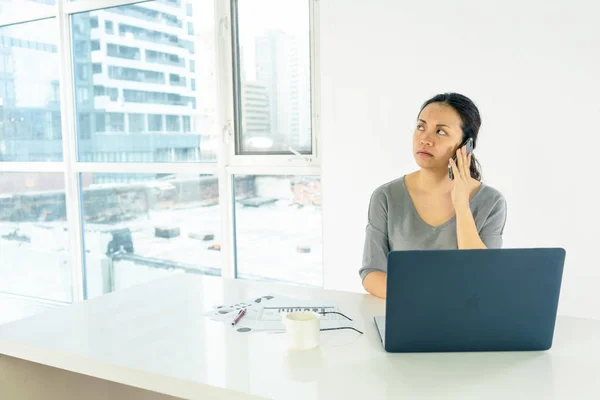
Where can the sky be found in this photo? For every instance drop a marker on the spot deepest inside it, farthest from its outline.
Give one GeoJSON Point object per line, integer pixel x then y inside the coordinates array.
{"type": "Point", "coordinates": [256, 17]}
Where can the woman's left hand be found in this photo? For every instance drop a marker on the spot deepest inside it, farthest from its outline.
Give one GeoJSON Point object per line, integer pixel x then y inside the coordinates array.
{"type": "Point", "coordinates": [463, 183]}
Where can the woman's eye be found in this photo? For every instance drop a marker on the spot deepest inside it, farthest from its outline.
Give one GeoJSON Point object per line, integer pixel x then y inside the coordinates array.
{"type": "Point", "coordinates": [441, 132]}
{"type": "Point", "coordinates": [420, 127]}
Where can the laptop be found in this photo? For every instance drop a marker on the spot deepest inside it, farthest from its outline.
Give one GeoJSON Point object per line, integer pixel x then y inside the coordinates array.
{"type": "Point", "coordinates": [471, 300]}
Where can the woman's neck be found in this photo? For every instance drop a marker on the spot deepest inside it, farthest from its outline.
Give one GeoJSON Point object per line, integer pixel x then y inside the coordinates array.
{"type": "Point", "coordinates": [432, 181]}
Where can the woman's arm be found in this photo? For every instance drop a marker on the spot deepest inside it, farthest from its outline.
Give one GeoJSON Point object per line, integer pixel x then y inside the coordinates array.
{"type": "Point", "coordinates": [375, 283]}
{"type": "Point", "coordinates": [374, 263]}
{"type": "Point", "coordinates": [466, 230]}
{"type": "Point", "coordinates": [491, 232]}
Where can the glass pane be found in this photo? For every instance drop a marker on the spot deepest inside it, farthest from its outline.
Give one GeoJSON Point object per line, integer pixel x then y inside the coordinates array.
{"type": "Point", "coordinates": [137, 64]}
{"type": "Point", "coordinates": [274, 77]}
{"type": "Point", "coordinates": [278, 228]}
{"type": "Point", "coordinates": [20, 8]}
{"type": "Point", "coordinates": [140, 227]}
{"type": "Point", "coordinates": [34, 243]}
{"type": "Point", "coordinates": [30, 124]}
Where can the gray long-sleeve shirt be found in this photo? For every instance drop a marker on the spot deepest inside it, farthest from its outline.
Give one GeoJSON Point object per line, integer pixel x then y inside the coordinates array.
{"type": "Point", "coordinates": [394, 224]}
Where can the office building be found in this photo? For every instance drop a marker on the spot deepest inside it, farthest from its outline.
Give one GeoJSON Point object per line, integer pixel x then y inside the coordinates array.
{"type": "Point", "coordinates": [134, 77]}
{"type": "Point", "coordinates": [30, 122]}
{"type": "Point", "coordinates": [278, 69]}
{"type": "Point", "coordinates": [137, 81]}
{"type": "Point", "coordinates": [256, 112]}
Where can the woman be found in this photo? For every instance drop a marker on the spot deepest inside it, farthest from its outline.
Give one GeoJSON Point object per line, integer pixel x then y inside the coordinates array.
{"type": "Point", "coordinates": [426, 209]}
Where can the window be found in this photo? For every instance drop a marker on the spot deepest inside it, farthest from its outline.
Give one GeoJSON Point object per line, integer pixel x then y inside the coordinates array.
{"type": "Point", "coordinates": [164, 58]}
{"type": "Point", "coordinates": [81, 72]}
{"type": "Point", "coordinates": [84, 125]}
{"type": "Point", "coordinates": [115, 122]}
{"type": "Point", "coordinates": [155, 123]}
{"type": "Point", "coordinates": [100, 121]}
{"type": "Point", "coordinates": [176, 80]}
{"type": "Point", "coordinates": [147, 14]}
{"type": "Point", "coordinates": [173, 123]}
{"type": "Point", "coordinates": [135, 72]}
{"type": "Point", "coordinates": [26, 118]}
{"type": "Point", "coordinates": [56, 126]}
{"type": "Point", "coordinates": [136, 75]}
{"type": "Point", "coordinates": [81, 47]}
{"type": "Point", "coordinates": [113, 93]}
{"type": "Point", "coordinates": [34, 239]}
{"type": "Point", "coordinates": [154, 36]}
{"type": "Point", "coordinates": [126, 52]}
{"type": "Point", "coordinates": [137, 123]}
{"type": "Point", "coordinates": [142, 96]}
{"type": "Point", "coordinates": [279, 218]}
{"type": "Point", "coordinates": [276, 60]}
{"type": "Point", "coordinates": [140, 227]}
{"type": "Point", "coordinates": [140, 82]}
{"type": "Point", "coordinates": [83, 94]}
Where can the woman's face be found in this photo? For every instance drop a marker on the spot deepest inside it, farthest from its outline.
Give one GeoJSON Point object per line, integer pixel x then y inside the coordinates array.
{"type": "Point", "coordinates": [437, 136]}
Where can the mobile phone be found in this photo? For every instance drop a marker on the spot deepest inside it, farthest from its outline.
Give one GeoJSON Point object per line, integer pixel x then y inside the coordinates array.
{"type": "Point", "coordinates": [469, 144]}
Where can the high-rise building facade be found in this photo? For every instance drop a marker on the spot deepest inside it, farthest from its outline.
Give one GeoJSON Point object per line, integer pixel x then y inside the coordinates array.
{"type": "Point", "coordinates": [144, 87]}
{"type": "Point", "coordinates": [278, 69]}
{"type": "Point", "coordinates": [136, 83]}
{"type": "Point", "coordinates": [256, 112]}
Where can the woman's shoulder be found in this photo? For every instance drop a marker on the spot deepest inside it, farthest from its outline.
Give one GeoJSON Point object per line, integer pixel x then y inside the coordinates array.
{"type": "Point", "coordinates": [390, 189]}
{"type": "Point", "coordinates": [491, 196]}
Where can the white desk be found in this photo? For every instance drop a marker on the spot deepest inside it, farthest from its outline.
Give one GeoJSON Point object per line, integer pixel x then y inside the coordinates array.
{"type": "Point", "coordinates": [153, 337]}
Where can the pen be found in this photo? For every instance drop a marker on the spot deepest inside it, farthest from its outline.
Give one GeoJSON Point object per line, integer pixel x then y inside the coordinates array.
{"type": "Point", "coordinates": [239, 316]}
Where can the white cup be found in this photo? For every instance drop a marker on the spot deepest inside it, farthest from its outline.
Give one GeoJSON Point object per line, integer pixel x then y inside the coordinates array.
{"type": "Point", "coordinates": [302, 329]}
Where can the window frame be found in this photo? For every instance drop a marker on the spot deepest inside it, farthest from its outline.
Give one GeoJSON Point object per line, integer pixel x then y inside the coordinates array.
{"type": "Point", "coordinates": [232, 129]}
{"type": "Point", "coordinates": [228, 163]}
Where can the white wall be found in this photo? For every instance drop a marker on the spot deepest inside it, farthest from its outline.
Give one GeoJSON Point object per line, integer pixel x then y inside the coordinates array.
{"type": "Point", "coordinates": [533, 69]}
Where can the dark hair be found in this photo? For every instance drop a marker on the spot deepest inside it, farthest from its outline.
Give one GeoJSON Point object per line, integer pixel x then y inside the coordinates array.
{"type": "Point", "coordinates": [471, 122]}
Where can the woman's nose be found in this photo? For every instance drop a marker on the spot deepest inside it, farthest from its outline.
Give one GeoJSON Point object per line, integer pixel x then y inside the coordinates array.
{"type": "Point", "coordinates": [426, 139]}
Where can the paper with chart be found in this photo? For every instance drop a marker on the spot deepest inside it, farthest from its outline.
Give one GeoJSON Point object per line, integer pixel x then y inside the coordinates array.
{"type": "Point", "coordinates": [264, 314]}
